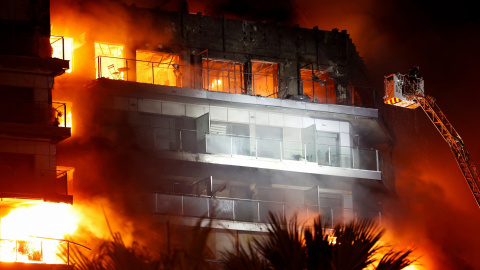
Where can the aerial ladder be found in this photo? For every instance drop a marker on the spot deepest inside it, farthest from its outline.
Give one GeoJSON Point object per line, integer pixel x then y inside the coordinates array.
{"type": "Point", "coordinates": [407, 91]}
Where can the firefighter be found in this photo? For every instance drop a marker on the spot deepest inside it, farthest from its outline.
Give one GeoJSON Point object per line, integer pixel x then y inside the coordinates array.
{"type": "Point", "coordinates": [413, 76]}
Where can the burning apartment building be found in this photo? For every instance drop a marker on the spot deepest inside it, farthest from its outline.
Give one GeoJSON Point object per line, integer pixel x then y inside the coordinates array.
{"type": "Point", "coordinates": [179, 116]}
{"type": "Point", "coordinates": [31, 126]}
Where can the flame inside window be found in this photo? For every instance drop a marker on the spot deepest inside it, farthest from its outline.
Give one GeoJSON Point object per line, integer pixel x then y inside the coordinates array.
{"type": "Point", "coordinates": [62, 48]}
{"type": "Point", "coordinates": [318, 86]}
{"type": "Point", "coordinates": [110, 62]}
{"type": "Point", "coordinates": [63, 113]}
{"type": "Point", "coordinates": [222, 76]}
{"type": "Point", "coordinates": [158, 68]}
{"type": "Point", "coordinates": [265, 79]}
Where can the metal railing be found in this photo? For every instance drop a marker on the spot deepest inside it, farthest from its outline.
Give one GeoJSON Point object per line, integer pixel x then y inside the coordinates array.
{"type": "Point", "coordinates": [15, 111]}
{"type": "Point", "coordinates": [32, 251]}
{"type": "Point", "coordinates": [58, 47]}
{"type": "Point", "coordinates": [198, 77]}
{"type": "Point", "coordinates": [31, 44]}
{"type": "Point", "coordinates": [234, 145]}
{"type": "Point", "coordinates": [244, 210]}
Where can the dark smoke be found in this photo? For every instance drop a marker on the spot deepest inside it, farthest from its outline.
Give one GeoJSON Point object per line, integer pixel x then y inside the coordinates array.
{"type": "Point", "coordinates": [434, 210]}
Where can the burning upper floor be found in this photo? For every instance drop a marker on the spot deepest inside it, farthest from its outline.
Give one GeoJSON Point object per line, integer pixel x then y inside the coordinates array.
{"type": "Point", "coordinates": [215, 54]}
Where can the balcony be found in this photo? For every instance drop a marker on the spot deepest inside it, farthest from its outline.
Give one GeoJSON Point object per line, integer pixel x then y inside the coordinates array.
{"type": "Point", "coordinates": [230, 79]}
{"type": "Point", "coordinates": [269, 149]}
{"type": "Point", "coordinates": [35, 253]}
{"type": "Point", "coordinates": [242, 210]}
{"type": "Point", "coordinates": [39, 120]}
{"type": "Point", "coordinates": [37, 53]}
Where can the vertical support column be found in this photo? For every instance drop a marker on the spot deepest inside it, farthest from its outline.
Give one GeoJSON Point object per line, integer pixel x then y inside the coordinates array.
{"type": "Point", "coordinates": [248, 78]}
{"type": "Point", "coordinates": [258, 211]}
{"type": "Point", "coordinates": [378, 165]}
{"type": "Point", "coordinates": [131, 64]}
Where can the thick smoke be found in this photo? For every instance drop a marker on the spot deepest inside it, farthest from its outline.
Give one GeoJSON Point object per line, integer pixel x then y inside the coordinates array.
{"type": "Point", "coordinates": [434, 209]}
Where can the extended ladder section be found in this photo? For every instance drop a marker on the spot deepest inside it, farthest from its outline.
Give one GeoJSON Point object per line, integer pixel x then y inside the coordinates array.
{"type": "Point", "coordinates": [412, 90]}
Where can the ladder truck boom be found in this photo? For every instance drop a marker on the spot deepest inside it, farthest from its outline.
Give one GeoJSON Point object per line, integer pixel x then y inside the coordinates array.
{"type": "Point", "coordinates": [408, 91]}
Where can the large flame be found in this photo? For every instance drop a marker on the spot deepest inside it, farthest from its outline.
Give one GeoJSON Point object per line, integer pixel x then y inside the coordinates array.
{"type": "Point", "coordinates": [31, 231]}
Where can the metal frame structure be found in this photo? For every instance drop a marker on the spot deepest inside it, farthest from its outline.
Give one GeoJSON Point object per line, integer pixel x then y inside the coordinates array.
{"type": "Point", "coordinates": [416, 94]}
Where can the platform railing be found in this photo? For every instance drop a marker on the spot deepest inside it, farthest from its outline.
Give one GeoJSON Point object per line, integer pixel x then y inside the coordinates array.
{"type": "Point", "coordinates": [16, 111]}
{"type": "Point", "coordinates": [228, 81]}
{"type": "Point", "coordinates": [267, 148]}
{"type": "Point", "coordinates": [244, 210]}
{"type": "Point", "coordinates": [33, 250]}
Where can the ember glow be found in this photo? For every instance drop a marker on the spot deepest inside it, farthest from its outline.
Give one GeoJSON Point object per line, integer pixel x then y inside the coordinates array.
{"type": "Point", "coordinates": [28, 229]}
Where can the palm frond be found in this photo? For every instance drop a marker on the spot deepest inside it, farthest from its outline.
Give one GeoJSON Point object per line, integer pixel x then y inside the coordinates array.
{"type": "Point", "coordinates": [318, 246]}
{"type": "Point", "coordinates": [244, 259]}
{"type": "Point", "coordinates": [283, 248]}
{"type": "Point", "coordinates": [396, 260]}
{"type": "Point", "coordinates": [356, 244]}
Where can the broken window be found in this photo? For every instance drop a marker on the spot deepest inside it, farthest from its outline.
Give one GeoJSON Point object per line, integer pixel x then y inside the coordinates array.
{"type": "Point", "coordinates": [265, 79]}
{"type": "Point", "coordinates": [222, 76]}
{"type": "Point", "coordinates": [110, 62]}
{"type": "Point", "coordinates": [318, 86]}
{"type": "Point", "coordinates": [62, 48]}
{"type": "Point", "coordinates": [158, 68]}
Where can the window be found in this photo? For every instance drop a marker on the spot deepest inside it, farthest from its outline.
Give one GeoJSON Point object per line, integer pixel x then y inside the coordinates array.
{"type": "Point", "coordinates": [222, 76]}
{"type": "Point", "coordinates": [110, 62]}
{"type": "Point", "coordinates": [230, 138]}
{"type": "Point", "coordinates": [318, 86]}
{"type": "Point", "coordinates": [158, 68]}
{"type": "Point", "coordinates": [265, 79]}
{"type": "Point", "coordinates": [331, 206]}
{"type": "Point", "coordinates": [269, 141]}
{"type": "Point", "coordinates": [327, 148]}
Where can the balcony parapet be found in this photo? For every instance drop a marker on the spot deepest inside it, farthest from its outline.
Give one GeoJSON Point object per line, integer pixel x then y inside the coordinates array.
{"type": "Point", "coordinates": [225, 81]}
{"type": "Point", "coordinates": [37, 120]}
{"type": "Point", "coordinates": [243, 210]}
{"type": "Point", "coordinates": [299, 154]}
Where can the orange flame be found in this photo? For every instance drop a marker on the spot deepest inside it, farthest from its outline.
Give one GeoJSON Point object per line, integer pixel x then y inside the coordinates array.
{"type": "Point", "coordinates": [25, 229]}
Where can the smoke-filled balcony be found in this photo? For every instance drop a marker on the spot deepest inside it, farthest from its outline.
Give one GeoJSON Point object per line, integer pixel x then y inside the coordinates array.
{"type": "Point", "coordinates": [17, 117]}
{"type": "Point", "coordinates": [256, 78]}
{"type": "Point", "coordinates": [246, 210]}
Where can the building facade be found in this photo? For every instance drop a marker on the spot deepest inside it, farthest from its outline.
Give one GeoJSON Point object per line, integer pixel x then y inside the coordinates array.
{"type": "Point", "coordinates": [31, 124]}
{"type": "Point", "coordinates": [226, 119]}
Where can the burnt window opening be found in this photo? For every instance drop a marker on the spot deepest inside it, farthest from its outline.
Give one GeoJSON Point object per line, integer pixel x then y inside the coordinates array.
{"type": "Point", "coordinates": [223, 76]}
{"type": "Point", "coordinates": [109, 61]}
{"type": "Point", "coordinates": [158, 68]}
{"type": "Point", "coordinates": [318, 86]}
{"type": "Point", "coordinates": [264, 79]}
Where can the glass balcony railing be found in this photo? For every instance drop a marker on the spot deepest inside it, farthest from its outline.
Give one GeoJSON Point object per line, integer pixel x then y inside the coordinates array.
{"type": "Point", "coordinates": [15, 111]}
{"type": "Point", "coordinates": [228, 81]}
{"type": "Point", "coordinates": [219, 144]}
{"type": "Point", "coordinates": [242, 209]}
